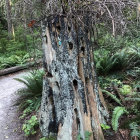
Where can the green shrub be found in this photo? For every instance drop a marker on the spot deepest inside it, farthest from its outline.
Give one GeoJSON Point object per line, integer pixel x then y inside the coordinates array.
{"type": "Point", "coordinates": [14, 51]}
{"type": "Point", "coordinates": [125, 90]}
{"type": "Point", "coordinates": [30, 126]}
{"type": "Point", "coordinates": [30, 95]}
{"type": "Point", "coordinates": [135, 73]}
{"type": "Point", "coordinates": [13, 60]}
{"type": "Point", "coordinates": [123, 59]}
{"type": "Point", "coordinates": [30, 99]}
{"type": "Point", "coordinates": [26, 112]}
{"type": "Point", "coordinates": [135, 130]}
{"type": "Point", "coordinates": [126, 58]}
{"type": "Point", "coordinates": [104, 61]}
{"type": "Point", "coordinates": [113, 44]}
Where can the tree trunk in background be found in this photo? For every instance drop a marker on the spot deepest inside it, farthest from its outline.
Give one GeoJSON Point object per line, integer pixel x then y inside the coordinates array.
{"type": "Point", "coordinates": [72, 103]}
{"type": "Point", "coordinates": [25, 26]}
{"type": "Point", "coordinates": [9, 19]}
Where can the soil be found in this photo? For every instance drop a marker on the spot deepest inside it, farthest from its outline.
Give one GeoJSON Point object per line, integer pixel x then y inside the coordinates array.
{"type": "Point", "coordinates": [10, 126]}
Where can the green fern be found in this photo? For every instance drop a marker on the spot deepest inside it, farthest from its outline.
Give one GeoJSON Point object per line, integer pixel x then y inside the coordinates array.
{"type": "Point", "coordinates": [117, 113]}
{"type": "Point", "coordinates": [132, 99]}
{"type": "Point", "coordinates": [104, 61]}
{"type": "Point", "coordinates": [126, 90]}
{"type": "Point", "coordinates": [31, 94]}
{"type": "Point", "coordinates": [112, 96]}
{"type": "Point", "coordinates": [135, 131]}
{"type": "Point", "coordinates": [33, 82]}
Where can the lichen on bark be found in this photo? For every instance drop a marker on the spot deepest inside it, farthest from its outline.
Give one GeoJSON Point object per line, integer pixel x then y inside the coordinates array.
{"type": "Point", "coordinates": [71, 102]}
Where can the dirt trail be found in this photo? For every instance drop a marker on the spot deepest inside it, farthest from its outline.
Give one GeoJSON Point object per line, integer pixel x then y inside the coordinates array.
{"type": "Point", "coordinates": [10, 127]}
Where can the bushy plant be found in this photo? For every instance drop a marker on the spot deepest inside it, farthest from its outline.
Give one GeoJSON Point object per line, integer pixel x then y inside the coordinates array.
{"type": "Point", "coordinates": [122, 60]}
{"type": "Point", "coordinates": [126, 58]}
{"type": "Point", "coordinates": [126, 90]}
{"type": "Point", "coordinates": [30, 99]}
{"type": "Point", "coordinates": [30, 95]}
{"type": "Point", "coordinates": [29, 126]}
{"type": "Point", "coordinates": [13, 60]}
{"type": "Point", "coordinates": [135, 73]}
{"type": "Point", "coordinates": [120, 56]}
{"type": "Point", "coordinates": [116, 90]}
{"type": "Point", "coordinates": [104, 61]}
{"type": "Point", "coordinates": [135, 130]}
{"type": "Point", "coordinates": [14, 51]}
{"type": "Point", "coordinates": [133, 109]}
{"type": "Point", "coordinates": [113, 44]}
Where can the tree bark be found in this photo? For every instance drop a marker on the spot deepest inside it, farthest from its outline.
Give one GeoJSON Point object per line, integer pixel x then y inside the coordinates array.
{"type": "Point", "coordinates": [9, 19]}
{"type": "Point", "coordinates": [72, 103]}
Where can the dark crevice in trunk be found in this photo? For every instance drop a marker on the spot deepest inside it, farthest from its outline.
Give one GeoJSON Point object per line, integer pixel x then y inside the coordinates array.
{"type": "Point", "coordinates": [75, 84]}
{"type": "Point", "coordinates": [46, 39]}
{"type": "Point", "coordinates": [77, 119]}
{"type": "Point", "coordinates": [83, 50]}
{"type": "Point", "coordinates": [53, 123]}
{"type": "Point", "coordinates": [49, 75]}
{"type": "Point", "coordinates": [57, 84]}
{"type": "Point", "coordinates": [69, 28]}
{"type": "Point", "coordinates": [70, 45]}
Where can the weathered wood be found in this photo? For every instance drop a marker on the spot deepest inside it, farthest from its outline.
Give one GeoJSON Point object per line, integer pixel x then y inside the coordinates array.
{"type": "Point", "coordinates": [18, 68]}
{"type": "Point", "coordinates": [72, 103]}
{"type": "Point", "coordinates": [11, 70]}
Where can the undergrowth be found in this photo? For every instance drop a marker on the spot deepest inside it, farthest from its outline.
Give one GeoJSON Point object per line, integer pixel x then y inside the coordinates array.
{"type": "Point", "coordinates": [30, 100]}
{"type": "Point", "coordinates": [20, 49]}
{"type": "Point", "coordinates": [117, 62]}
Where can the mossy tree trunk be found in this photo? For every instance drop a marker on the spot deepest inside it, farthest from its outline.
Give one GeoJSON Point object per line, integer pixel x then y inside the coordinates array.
{"type": "Point", "coordinates": [72, 103]}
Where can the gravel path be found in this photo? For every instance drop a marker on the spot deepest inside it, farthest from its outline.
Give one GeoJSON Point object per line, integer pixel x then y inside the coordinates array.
{"type": "Point", "coordinates": [10, 127]}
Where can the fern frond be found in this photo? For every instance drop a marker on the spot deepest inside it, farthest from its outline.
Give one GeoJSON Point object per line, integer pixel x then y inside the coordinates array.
{"type": "Point", "coordinates": [32, 91]}
{"type": "Point", "coordinates": [132, 99]}
{"type": "Point", "coordinates": [117, 113]}
{"type": "Point", "coordinates": [21, 81]}
{"type": "Point", "coordinates": [135, 132]}
{"type": "Point", "coordinates": [112, 96]}
{"type": "Point", "coordinates": [23, 92]}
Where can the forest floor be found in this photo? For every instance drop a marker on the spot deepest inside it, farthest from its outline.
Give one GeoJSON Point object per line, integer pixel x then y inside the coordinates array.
{"type": "Point", "coordinates": [10, 126]}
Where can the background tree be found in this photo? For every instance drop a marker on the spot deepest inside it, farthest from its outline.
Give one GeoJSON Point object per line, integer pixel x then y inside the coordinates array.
{"type": "Point", "coordinates": [9, 18]}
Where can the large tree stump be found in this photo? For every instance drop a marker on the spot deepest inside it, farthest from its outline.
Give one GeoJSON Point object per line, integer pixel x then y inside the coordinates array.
{"type": "Point", "coordinates": [72, 103]}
